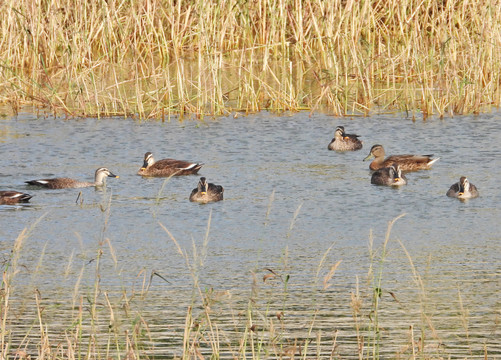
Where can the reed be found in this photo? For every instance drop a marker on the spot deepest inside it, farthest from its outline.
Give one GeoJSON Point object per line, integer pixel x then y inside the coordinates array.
{"type": "Point", "coordinates": [266, 322]}
{"type": "Point", "coordinates": [160, 59]}
{"type": "Point", "coordinates": [376, 277]}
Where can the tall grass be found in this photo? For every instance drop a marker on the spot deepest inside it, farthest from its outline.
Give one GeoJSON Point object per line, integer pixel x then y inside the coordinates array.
{"type": "Point", "coordinates": [162, 58]}
{"type": "Point", "coordinates": [268, 322]}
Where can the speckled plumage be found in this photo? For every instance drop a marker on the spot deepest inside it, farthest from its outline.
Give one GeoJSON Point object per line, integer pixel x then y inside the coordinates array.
{"type": "Point", "coordinates": [167, 167]}
{"type": "Point", "coordinates": [389, 176]}
{"type": "Point", "coordinates": [9, 197]}
{"type": "Point", "coordinates": [67, 183]}
{"type": "Point", "coordinates": [406, 162]}
{"type": "Point", "coordinates": [206, 192]}
{"type": "Point", "coordinates": [344, 142]}
{"type": "Point", "coordinates": [463, 189]}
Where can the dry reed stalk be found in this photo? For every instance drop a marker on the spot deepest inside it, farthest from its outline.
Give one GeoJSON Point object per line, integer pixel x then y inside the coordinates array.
{"type": "Point", "coordinates": [96, 329]}
{"type": "Point", "coordinates": [130, 59]}
{"type": "Point", "coordinates": [426, 317]}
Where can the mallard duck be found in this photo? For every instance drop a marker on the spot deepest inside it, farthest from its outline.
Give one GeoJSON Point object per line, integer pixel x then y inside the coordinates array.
{"type": "Point", "coordinates": [167, 167]}
{"type": "Point", "coordinates": [406, 162]}
{"type": "Point", "coordinates": [390, 176]}
{"type": "Point", "coordinates": [206, 192]}
{"type": "Point", "coordinates": [13, 197]}
{"type": "Point", "coordinates": [67, 183]}
{"type": "Point", "coordinates": [343, 141]}
{"type": "Point", "coordinates": [463, 189]}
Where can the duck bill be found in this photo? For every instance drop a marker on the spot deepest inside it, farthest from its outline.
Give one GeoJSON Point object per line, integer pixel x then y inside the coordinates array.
{"type": "Point", "coordinates": [203, 192]}
{"type": "Point", "coordinates": [370, 156]}
{"type": "Point", "coordinates": [113, 175]}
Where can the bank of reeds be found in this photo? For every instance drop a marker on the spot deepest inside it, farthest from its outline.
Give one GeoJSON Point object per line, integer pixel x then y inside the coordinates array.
{"type": "Point", "coordinates": [162, 58]}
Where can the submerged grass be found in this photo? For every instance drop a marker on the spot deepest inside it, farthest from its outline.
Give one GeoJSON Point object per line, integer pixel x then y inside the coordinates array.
{"type": "Point", "coordinates": [269, 322]}
{"type": "Point", "coordinates": [159, 58]}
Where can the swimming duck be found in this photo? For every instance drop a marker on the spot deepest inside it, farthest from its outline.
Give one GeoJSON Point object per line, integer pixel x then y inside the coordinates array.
{"type": "Point", "coordinates": [167, 167]}
{"type": "Point", "coordinates": [67, 183]}
{"type": "Point", "coordinates": [343, 141]}
{"type": "Point", "coordinates": [463, 189]}
{"type": "Point", "coordinates": [13, 197]}
{"type": "Point", "coordinates": [206, 192]}
{"type": "Point", "coordinates": [390, 176]}
{"type": "Point", "coordinates": [406, 162]}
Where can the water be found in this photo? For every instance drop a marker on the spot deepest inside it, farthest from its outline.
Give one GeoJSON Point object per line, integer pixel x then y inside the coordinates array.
{"type": "Point", "coordinates": [288, 200]}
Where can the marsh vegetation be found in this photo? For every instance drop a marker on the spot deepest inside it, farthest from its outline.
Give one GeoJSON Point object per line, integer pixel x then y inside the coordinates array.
{"type": "Point", "coordinates": [158, 58]}
{"type": "Point", "coordinates": [281, 315]}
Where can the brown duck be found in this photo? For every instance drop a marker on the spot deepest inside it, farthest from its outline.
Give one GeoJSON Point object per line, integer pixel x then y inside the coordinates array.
{"type": "Point", "coordinates": [206, 192]}
{"type": "Point", "coordinates": [405, 162]}
{"type": "Point", "coordinates": [463, 189]}
{"type": "Point", "coordinates": [343, 141]}
{"type": "Point", "coordinates": [167, 167]}
{"type": "Point", "coordinates": [390, 176]}
{"type": "Point", "coordinates": [67, 183]}
{"type": "Point", "coordinates": [9, 197]}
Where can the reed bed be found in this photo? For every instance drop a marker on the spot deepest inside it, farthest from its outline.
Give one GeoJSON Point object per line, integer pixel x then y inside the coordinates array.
{"type": "Point", "coordinates": [159, 58]}
{"type": "Point", "coordinates": [277, 317]}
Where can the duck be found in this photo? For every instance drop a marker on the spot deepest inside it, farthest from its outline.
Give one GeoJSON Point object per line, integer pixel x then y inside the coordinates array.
{"type": "Point", "coordinates": [167, 167]}
{"type": "Point", "coordinates": [344, 142]}
{"type": "Point", "coordinates": [390, 176]}
{"type": "Point", "coordinates": [406, 162]}
{"type": "Point", "coordinates": [9, 197]}
{"type": "Point", "coordinates": [206, 192]}
{"type": "Point", "coordinates": [463, 189]}
{"type": "Point", "coordinates": [67, 183]}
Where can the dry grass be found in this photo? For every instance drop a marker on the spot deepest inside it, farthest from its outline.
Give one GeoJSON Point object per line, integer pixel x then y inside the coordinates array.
{"type": "Point", "coordinates": [269, 321]}
{"type": "Point", "coordinates": [159, 58]}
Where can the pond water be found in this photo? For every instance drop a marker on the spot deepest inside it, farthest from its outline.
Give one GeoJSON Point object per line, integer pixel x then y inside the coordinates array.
{"type": "Point", "coordinates": [292, 210]}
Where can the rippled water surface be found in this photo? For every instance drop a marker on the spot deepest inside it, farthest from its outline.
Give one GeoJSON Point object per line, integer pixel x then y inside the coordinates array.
{"type": "Point", "coordinates": [292, 210]}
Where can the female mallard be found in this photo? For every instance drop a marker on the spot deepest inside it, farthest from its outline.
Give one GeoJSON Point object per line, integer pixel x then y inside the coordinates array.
{"type": "Point", "coordinates": [67, 183]}
{"type": "Point", "coordinates": [13, 197]}
{"type": "Point", "coordinates": [206, 192]}
{"type": "Point", "coordinates": [406, 162]}
{"type": "Point", "coordinates": [343, 141]}
{"type": "Point", "coordinates": [167, 167]}
{"type": "Point", "coordinates": [463, 189]}
{"type": "Point", "coordinates": [390, 176]}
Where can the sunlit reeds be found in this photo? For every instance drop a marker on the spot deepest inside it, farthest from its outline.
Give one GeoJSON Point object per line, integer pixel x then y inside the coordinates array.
{"type": "Point", "coordinates": [159, 58]}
